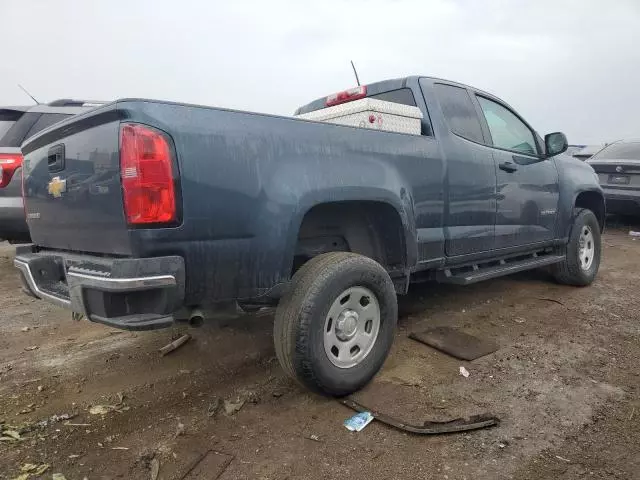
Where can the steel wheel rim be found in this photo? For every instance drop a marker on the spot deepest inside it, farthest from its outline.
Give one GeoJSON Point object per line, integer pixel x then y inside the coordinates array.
{"type": "Point", "coordinates": [351, 327]}
{"type": "Point", "coordinates": [587, 249]}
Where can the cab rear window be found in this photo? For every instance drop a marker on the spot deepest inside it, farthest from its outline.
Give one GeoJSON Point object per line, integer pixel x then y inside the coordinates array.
{"type": "Point", "coordinates": [402, 95]}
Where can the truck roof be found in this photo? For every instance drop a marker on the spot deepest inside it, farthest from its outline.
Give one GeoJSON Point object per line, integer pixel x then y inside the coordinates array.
{"type": "Point", "coordinates": [384, 86]}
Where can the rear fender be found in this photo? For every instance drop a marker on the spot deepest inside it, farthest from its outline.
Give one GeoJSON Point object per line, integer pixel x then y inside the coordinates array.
{"type": "Point", "coordinates": [295, 193]}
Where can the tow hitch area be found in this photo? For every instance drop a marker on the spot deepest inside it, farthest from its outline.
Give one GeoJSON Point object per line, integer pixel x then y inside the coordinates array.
{"type": "Point", "coordinates": [126, 293]}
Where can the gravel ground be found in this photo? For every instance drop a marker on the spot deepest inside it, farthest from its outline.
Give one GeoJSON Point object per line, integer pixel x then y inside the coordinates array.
{"type": "Point", "coordinates": [565, 384]}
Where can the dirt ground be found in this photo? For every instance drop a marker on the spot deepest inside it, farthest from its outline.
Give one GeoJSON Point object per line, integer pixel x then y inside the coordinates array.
{"type": "Point", "coordinates": [565, 384]}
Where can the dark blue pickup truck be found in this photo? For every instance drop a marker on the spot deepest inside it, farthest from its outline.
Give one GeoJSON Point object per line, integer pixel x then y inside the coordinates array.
{"type": "Point", "coordinates": [143, 213]}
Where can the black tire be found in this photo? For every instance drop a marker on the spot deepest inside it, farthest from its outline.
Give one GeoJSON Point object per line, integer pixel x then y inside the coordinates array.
{"type": "Point", "coordinates": [302, 311]}
{"type": "Point", "coordinates": [570, 271]}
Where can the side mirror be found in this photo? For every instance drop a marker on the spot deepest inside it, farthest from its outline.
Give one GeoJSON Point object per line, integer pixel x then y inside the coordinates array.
{"type": "Point", "coordinates": [555, 143]}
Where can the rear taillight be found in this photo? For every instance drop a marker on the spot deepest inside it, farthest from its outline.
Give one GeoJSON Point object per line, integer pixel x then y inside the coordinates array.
{"type": "Point", "coordinates": [9, 163]}
{"type": "Point", "coordinates": [346, 96]}
{"type": "Point", "coordinates": [24, 201]}
{"type": "Point", "coordinates": [147, 175]}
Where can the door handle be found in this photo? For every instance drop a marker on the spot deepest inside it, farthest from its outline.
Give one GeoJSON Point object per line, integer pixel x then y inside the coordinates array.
{"type": "Point", "coordinates": [508, 167]}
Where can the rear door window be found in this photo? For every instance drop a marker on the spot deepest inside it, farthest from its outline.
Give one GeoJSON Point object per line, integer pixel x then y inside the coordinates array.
{"type": "Point", "coordinates": [8, 118]}
{"type": "Point", "coordinates": [507, 130]}
{"type": "Point", "coordinates": [5, 125]}
{"type": "Point", "coordinates": [19, 129]}
{"type": "Point", "coordinates": [459, 111]}
{"type": "Point", "coordinates": [46, 120]}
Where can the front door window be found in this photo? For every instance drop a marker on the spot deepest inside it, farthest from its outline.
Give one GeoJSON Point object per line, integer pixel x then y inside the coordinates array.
{"type": "Point", "coordinates": [507, 130]}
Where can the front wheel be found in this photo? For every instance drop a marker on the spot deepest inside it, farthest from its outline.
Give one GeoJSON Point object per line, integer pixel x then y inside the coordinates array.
{"type": "Point", "coordinates": [335, 326]}
{"type": "Point", "coordinates": [583, 252]}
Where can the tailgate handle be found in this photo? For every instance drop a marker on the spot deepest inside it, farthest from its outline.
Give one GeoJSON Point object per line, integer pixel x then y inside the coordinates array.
{"type": "Point", "coordinates": [55, 158]}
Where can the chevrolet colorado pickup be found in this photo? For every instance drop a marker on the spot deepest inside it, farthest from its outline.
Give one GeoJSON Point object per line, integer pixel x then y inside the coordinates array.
{"type": "Point", "coordinates": [143, 213]}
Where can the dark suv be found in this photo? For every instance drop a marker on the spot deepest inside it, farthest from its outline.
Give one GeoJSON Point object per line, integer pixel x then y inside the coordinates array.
{"type": "Point", "coordinates": [16, 125]}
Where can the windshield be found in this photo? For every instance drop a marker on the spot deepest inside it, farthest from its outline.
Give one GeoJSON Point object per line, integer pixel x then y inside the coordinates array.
{"type": "Point", "coordinates": [619, 151]}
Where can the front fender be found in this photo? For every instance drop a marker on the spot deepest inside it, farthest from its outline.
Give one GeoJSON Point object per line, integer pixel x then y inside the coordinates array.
{"type": "Point", "coordinates": [576, 177]}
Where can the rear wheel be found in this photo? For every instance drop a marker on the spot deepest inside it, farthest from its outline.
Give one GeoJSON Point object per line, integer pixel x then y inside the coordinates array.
{"type": "Point", "coordinates": [334, 327]}
{"type": "Point", "coordinates": [583, 251]}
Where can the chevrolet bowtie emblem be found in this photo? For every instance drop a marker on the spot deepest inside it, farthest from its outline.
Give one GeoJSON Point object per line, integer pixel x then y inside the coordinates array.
{"type": "Point", "coordinates": [57, 187]}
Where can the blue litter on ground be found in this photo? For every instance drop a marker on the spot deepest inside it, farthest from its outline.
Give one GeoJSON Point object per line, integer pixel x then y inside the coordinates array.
{"type": "Point", "coordinates": [358, 421]}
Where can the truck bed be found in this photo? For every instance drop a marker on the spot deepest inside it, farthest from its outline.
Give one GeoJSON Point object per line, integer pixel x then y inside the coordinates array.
{"type": "Point", "coordinates": [244, 182]}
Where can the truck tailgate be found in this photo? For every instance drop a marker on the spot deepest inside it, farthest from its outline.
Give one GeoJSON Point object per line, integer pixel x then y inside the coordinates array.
{"type": "Point", "coordinates": [72, 187]}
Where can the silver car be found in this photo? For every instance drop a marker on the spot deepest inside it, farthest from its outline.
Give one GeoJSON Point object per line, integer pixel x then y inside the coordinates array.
{"type": "Point", "coordinates": [16, 125]}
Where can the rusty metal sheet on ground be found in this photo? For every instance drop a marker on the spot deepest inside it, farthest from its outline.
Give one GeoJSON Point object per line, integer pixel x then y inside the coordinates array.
{"type": "Point", "coordinates": [455, 342]}
{"type": "Point", "coordinates": [195, 465]}
{"type": "Point", "coordinates": [429, 427]}
{"type": "Point", "coordinates": [210, 467]}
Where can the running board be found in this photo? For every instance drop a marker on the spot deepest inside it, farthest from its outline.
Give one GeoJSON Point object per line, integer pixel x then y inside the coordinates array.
{"type": "Point", "coordinates": [484, 271]}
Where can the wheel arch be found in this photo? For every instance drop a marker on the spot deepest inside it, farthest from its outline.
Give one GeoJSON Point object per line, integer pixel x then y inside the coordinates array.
{"type": "Point", "coordinates": [377, 228]}
{"type": "Point", "coordinates": [592, 200]}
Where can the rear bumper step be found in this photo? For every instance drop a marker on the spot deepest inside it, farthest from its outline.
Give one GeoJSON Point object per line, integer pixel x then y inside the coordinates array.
{"type": "Point", "coordinates": [131, 294]}
{"type": "Point", "coordinates": [478, 272]}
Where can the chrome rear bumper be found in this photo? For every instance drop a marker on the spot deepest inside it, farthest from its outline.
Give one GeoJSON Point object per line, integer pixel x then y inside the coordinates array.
{"type": "Point", "coordinates": [134, 294]}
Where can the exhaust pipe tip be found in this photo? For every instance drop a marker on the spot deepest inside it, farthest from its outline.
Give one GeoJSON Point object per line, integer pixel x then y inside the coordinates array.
{"type": "Point", "coordinates": [196, 318]}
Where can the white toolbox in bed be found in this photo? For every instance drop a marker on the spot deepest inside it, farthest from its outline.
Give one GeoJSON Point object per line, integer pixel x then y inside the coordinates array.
{"type": "Point", "coordinates": [371, 113]}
